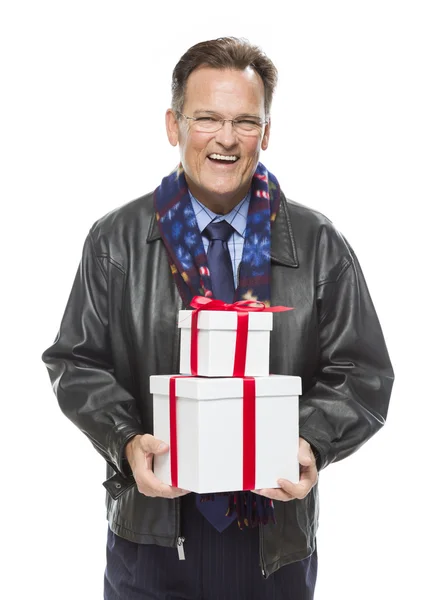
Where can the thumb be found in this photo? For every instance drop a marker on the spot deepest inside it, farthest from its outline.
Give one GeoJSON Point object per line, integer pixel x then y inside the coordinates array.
{"type": "Point", "coordinates": [152, 445]}
{"type": "Point", "coordinates": [160, 447]}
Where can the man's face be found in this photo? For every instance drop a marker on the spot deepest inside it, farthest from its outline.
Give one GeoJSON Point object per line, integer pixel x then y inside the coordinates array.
{"type": "Point", "coordinates": [225, 94]}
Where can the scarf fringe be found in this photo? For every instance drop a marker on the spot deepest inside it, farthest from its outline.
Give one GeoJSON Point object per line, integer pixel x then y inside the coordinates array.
{"type": "Point", "coordinates": [251, 509]}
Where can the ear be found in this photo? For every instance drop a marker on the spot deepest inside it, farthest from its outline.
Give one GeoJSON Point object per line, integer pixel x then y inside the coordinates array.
{"type": "Point", "coordinates": [172, 127]}
{"type": "Point", "coordinates": [266, 136]}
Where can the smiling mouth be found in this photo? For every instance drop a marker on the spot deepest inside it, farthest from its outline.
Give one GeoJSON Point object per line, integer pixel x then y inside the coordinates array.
{"type": "Point", "coordinates": [226, 159]}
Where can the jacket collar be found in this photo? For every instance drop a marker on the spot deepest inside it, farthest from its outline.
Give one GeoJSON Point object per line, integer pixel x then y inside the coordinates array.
{"type": "Point", "coordinates": [283, 246]}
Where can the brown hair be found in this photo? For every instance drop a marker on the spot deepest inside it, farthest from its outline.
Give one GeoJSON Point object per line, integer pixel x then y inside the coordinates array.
{"type": "Point", "coordinates": [223, 53]}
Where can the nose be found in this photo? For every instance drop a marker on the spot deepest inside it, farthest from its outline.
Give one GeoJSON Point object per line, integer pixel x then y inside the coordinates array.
{"type": "Point", "coordinates": [226, 136]}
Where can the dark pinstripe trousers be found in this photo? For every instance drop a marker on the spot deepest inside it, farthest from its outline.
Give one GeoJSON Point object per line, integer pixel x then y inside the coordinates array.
{"type": "Point", "coordinates": [218, 566]}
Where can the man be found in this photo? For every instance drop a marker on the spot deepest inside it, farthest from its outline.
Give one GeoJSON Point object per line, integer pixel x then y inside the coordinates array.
{"type": "Point", "coordinates": [218, 226]}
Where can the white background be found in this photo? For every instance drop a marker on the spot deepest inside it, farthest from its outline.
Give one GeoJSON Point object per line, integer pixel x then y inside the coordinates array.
{"type": "Point", "coordinates": [357, 133]}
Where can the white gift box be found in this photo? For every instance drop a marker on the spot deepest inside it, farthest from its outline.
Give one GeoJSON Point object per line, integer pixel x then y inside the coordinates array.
{"type": "Point", "coordinates": [209, 432]}
{"type": "Point", "coordinates": [216, 342]}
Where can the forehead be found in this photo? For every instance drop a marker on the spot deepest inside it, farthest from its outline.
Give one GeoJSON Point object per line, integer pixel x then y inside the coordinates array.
{"type": "Point", "coordinates": [226, 91]}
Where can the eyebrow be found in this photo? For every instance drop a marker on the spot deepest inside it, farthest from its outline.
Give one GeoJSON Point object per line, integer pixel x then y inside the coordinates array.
{"type": "Point", "coordinates": [216, 114]}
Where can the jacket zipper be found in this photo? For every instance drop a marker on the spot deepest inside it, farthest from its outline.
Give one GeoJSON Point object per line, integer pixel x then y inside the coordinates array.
{"type": "Point", "coordinates": [181, 548]}
{"type": "Point", "coordinates": [261, 551]}
{"type": "Point", "coordinates": [180, 544]}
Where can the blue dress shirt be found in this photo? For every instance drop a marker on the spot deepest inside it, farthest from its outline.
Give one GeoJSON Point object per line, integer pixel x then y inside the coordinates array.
{"type": "Point", "coordinates": [237, 218]}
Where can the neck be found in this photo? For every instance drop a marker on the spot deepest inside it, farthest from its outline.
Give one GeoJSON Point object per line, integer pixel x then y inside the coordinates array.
{"type": "Point", "coordinates": [221, 204]}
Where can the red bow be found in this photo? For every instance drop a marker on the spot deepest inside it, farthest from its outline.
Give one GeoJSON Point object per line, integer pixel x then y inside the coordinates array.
{"type": "Point", "coordinates": [242, 307]}
{"type": "Point", "coordinates": [203, 303]}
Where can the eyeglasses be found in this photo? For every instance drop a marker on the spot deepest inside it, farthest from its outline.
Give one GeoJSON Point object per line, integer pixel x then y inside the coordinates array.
{"type": "Point", "coordinates": [244, 126]}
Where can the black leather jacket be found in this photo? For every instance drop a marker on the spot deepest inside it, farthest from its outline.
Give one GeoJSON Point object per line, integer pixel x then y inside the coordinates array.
{"type": "Point", "coordinates": [120, 327]}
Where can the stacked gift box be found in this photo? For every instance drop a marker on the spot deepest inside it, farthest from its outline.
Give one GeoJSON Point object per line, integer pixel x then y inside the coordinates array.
{"type": "Point", "coordinates": [230, 424]}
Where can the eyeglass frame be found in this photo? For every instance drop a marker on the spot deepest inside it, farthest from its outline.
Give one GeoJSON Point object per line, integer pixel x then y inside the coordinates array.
{"type": "Point", "coordinates": [222, 121]}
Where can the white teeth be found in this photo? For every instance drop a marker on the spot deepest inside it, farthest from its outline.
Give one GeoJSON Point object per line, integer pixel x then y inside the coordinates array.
{"type": "Point", "coordinates": [222, 157]}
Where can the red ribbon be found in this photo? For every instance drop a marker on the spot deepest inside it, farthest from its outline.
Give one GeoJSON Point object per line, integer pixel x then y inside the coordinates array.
{"type": "Point", "coordinates": [248, 429]}
{"type": "Point", "coordinates": [174, 466]}
{"type": "Point", "coordinates": [249, 434]}
{"type": "Point", "coordinates": [243, 308]}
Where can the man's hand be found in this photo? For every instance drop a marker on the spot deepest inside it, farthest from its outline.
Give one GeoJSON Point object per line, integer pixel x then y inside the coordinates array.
{"type": "Point", "coordinates": [139, 452]}
{"type": "Point", "coordinates": [308, 478]}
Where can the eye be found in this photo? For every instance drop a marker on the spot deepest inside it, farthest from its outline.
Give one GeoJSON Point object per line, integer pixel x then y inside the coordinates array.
{"type": "Point", "coordinates": [205, 120]}
{"type": "Point", "coordinates": [248, 122]}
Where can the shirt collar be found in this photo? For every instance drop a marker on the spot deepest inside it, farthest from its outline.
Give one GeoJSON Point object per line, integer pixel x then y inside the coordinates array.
{"type": "Point", "coordinates": [237, 217]}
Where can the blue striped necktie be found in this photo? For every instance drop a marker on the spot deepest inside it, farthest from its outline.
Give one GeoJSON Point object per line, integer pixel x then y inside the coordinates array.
{"type": "Point", "coordinates": [222, 282]}
{"type": "Point", "coordinates": [219, 260]}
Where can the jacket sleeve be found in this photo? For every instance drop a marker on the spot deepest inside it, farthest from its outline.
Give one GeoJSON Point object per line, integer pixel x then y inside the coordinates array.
{"type": "Point", "coordinates": [80, 367]}
{"type": "Point", "coordinates": [349, 398]}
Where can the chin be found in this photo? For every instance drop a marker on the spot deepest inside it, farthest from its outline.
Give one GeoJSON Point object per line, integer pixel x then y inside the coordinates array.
{"type": "Point", "coordinates": [223, 190]}
{"type": "Point", "coordinates": [222, 186]}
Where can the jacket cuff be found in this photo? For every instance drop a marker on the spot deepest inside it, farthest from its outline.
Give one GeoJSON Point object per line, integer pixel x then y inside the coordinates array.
{"type": "Point", "coordinates": [118, 485]}
{"type": "Point", "coordinates": [123, 478]}
{"type": "Point", "coordinates": [117, 441]}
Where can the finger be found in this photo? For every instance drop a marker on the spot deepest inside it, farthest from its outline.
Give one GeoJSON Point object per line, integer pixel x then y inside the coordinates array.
{"type": "Point", "coordinates": [306, 474]}
{"type": "Point", "coordinates": [150, 485]}
{"type": "Point", "coordinates": [306, 457]}
{"type": "Point", "coordinates": [306, 460]}
{"type": "Point", "coordinates": [274, 494]}
{"type": "Point", "coordinates": [167, 491]}
{"type": "Point", "coordinates": [148, 482]}
{"type": "Point", "coordinates": [310, 473]}
{"type": "Point", "coordinates": [179, 491]}
{"type": "Point", "coordinates": [297, 490]}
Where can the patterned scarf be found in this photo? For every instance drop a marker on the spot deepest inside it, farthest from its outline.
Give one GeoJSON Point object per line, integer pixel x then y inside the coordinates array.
{"type": "Point", "coordinates": [188, 262]}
